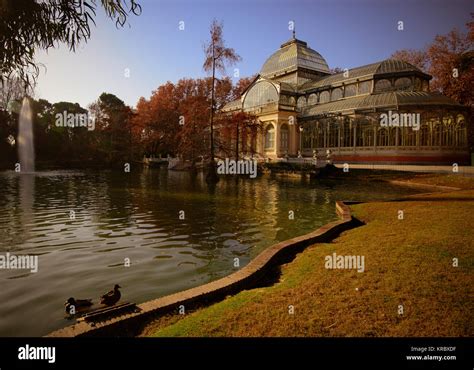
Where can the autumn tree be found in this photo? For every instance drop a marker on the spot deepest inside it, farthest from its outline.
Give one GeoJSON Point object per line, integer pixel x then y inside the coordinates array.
{"type": "Point", "coordinates": [217, 55]}
{"type": "Point", "coordinates": [452, 66]}
{"type": "Point", "coordinates": [418, 58]}
{"type": "Point", "coordinates": [175, 120]}
{"type": "Point", "coordinates": [239, 128]}
{"type": "Point", "coordinates": [193, 141]}
{"type": "Point", "coordinates": [241, 86]}
{"type": "Point", "coordinates": [336, 70]}
{"type": "Point", "coordinates": [450, 60]}
{"type": "Point", "coordinates": [156, 122]}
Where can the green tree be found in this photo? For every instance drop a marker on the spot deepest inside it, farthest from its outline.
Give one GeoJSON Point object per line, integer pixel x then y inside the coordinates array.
{"type": "Point", "coordinates": [114, 130]}
{"type": "Point", "coordinates": [8, 130]}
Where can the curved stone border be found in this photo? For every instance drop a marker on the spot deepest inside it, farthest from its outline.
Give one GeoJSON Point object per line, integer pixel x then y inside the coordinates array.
{"type": "Point", "coordinates": [247, 277]}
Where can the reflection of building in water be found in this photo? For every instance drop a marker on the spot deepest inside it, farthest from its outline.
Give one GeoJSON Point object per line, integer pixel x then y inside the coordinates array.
{"type": "Point", "coordinates": [302, 106]}
{"type": "Point", "coordinates": [261, 199]}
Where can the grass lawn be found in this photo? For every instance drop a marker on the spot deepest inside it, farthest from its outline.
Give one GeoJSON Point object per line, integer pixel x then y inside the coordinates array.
{"type": "Point", "coordinates": [408, 262]}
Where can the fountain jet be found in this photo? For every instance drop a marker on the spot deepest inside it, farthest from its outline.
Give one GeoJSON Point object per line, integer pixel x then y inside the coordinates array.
{"type": "Point", "coordinates": [26, 149]}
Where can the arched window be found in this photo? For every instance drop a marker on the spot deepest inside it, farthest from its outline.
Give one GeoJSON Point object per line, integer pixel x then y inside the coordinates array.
{"type": "Point", "coordinates": [448, 131]}
{"type": "Point", "coordinates": [284, 137]}
{"type": "Point", "coordinates": [270, 137]}
{"type": "Point", "coordinates": [319, 135]}
{"type": "Point", "coordinates": [365, 132]}
{"type": "Point", "coordinates": [383, 85]}
{"type": "Point", "coordinates": [403, 83]}
{"type": "Point", "coordinates": [313, 99]}
{"type": "Point", "coordinates": [394, 136]}
{"type": "Point", "coordinates": [437, 130]}
{"type": "Point", "coordinates": [425, 86]}
{"type": "Point", "coordinates": [364, 87]}
{"type": "Point", "coordinates": [382, 137]}
{"type": "Point", "coordinates": [425, 135]}
{"type": "Point", "coordinates": [409, 137]}
{"type": "Point", "coordinates": [336, 94]}
{"type": "Point", "coordinates": [459, 118]}
{"type": "Point", "coordinates": [332, 130]}
{"type": "Point", "coordinates": [460, 131]}
{"type": "Point", "coordinates": [324, 97]}
{"type": "Point", "coordinates": [346, 140]}
{"type": "Point", "coordinates": [301, 102]}
{"type": "Point", "coordinates": [262, 93]}
{"type": "Point", "coordinates": [350, 90]}
{"type": "Point", "coordinates": [284, 99]}
{"type": "Point", "coordinates": [307, 137]}
{"type": "Point", "coordinates": [368, 136]}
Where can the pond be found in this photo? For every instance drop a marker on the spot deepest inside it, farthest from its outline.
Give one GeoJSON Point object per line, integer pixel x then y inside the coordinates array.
{"type": "Point", "coordinates": [154, 232]}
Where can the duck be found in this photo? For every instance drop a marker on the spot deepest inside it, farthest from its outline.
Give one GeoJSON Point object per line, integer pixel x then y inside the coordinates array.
{"type": "Point", "coordinates": [112, 297]}
{"type": "Point", "coordinates": [78, 304]}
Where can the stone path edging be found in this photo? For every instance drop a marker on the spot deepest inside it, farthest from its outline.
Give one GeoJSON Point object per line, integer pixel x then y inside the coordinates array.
{"type": "Point", "coordinates": [247, 277]}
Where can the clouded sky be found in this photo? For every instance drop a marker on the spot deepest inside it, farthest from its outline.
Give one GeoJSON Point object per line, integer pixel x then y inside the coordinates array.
{"type": "Point", "coordinates": [154, 50]}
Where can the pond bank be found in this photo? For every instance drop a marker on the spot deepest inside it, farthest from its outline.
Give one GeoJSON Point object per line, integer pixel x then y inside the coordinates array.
{"type": "Point", "coordinates": [259, 272]}
{"type": "Point", "coordinates": [410, 286]}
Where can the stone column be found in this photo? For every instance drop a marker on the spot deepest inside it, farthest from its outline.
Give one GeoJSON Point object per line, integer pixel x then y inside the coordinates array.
{"type": "Point", "coordinates": [339, 123]}
{"type": "Point", "coordinates": [355, 135]}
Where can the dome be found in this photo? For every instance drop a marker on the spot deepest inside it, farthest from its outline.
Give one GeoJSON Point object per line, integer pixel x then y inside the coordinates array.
{"type": "Point", "coordinates": [291, 56]}
{"type": "Point", "coordinates": [395, 66]}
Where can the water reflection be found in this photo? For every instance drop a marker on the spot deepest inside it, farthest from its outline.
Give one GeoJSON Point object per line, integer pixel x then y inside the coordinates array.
{"type": "Point", "coordinates": [136, 216]}
{"type": "Point", "coordinates": [26, 197]}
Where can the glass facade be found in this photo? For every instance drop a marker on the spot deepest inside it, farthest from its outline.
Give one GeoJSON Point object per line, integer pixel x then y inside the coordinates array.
{"type": "Point", "coordinates": [364, 87]}
{"type": "Point", "coordinates": [350, 90]}
{"type": "Point", "coordinates": [262, 93]}
{"type": "Point", "coordinates": [324, 97]}
{"type": "Point", "coordinates": [436, 130]}
{"type": "Point", "coordinates": [403, 83]}
{"type": "Point", "coordinates": [336, 94]}
{"type": "Point", "coordinates": [301, 102]}
{"type": "Point", "coordinates": [383, 85]}
{"type": "Point", "coordinates": [312, 99]}
{"type": "Point", "coordinates": [341, 111]}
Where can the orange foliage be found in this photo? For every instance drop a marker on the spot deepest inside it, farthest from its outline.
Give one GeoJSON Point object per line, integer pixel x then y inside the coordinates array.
{"type": "Point", "coordinates": [175, 119]}
{"type": "Point", "coordinates": [450, 60]}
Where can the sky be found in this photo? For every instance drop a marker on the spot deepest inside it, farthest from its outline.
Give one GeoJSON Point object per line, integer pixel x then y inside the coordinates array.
{"type": "Point", "coordinates": [151, 49]}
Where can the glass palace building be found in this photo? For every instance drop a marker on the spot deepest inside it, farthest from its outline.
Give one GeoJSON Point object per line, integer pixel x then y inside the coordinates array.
{"type": "Point", "coordinates": [378, 113]}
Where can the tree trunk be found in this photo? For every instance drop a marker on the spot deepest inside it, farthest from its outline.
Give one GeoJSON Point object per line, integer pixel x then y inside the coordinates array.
{"type": "Point", "coordinates": [237, 142]}
{"type": "Point", "coordinates": [193, 169]}
{"type": "Point", "coordinates": [211, 176]}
